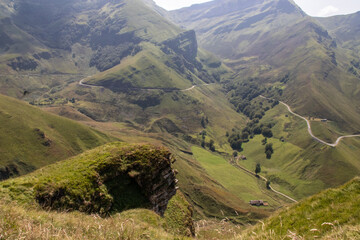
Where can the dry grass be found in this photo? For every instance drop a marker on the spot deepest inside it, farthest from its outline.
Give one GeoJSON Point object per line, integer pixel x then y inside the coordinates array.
{"type": "Point", "coordinates": [19, 223]}
{"type": "Point", "coordinates": [332, 214]}
{"type": "Point", "coordinates": [217, 229]}
{"type": "Point", "coordinates": [336, 232]}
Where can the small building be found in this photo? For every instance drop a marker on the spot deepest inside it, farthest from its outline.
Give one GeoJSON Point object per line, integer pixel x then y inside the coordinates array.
{"type": "Point", "coordinates": [243, 157]}
{"type": "Point", "coordinates": [258, 203]}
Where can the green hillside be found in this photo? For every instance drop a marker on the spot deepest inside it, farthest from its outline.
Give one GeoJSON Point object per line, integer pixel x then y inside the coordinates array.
{"type": "Point", "coordinates": [344, 29]}
{"type": "Point", "coordinates": [300, 166]}
{"type": "Point", "coordinates": [332, 214]}
{"type": "Point", "coordinates": [277, 46]}
{"type": "Point", "coordinates": [31, 138]}
{"type": "Point", "coordinates": [128, 73]}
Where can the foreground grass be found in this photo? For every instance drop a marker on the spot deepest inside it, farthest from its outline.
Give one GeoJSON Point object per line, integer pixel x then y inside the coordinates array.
{"type": "Point", "coordinates": [332, 214]}
{"type": "Point", "coordinates": [19, 223]}
{"type": "Point", "coordinates": [100, 182]}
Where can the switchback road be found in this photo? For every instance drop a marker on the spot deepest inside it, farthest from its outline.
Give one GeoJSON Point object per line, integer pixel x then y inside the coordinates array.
{"type": "Point", "coordinates": [309, 127]}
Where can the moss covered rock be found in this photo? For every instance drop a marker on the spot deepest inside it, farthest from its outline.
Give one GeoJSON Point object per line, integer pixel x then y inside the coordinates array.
{"type": "Point", "coordinates": [111, 178]}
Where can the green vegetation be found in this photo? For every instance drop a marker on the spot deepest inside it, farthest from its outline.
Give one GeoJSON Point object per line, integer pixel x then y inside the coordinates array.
{"type": "Point", "coordinates": [31, 138]}
{"type": "Point", "coordinates": [17, 222]}
{"type": "Point", "coordinates": [107, 180]}
{"type": "Point", "coordinates": [332, 214]}
{"type": "Point", "coordinates": [310, 72]}
{"type": "Point", "coordinates": [299, 166]}
{"type": "Point", "coordinates": [86, 182]}
{"type": "Point", "coordinates": [269, 150]}
{"type": "Point", "coordinates": [237, 182]}
{"type": "Point", "coordinates": [155, 85]}
{"type": "Point", "coordinates": [178, 216]}
{"type": "Point", "coordinates": [257, 169]}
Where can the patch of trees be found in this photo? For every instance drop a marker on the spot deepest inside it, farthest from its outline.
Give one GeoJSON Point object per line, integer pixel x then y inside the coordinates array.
{"type": "Point", "coordinates": [210, 144]}
{"type": "Point", "coordinates": [146, 99]}
{"type": "Point", "coordinates": [254, 127]}
{"type": "Point", "coordinates": [204, 144]}
{"type": "Point", "coordinates": [269, 150]}
{"type": "Point", "coordinates": [257, 169]}
{"type": "Point", "coordinates": [110, 56]}
{"type": "Point", "coordinates": [204, 121]}
{"type": "Point", "coordinates": [20, 64]}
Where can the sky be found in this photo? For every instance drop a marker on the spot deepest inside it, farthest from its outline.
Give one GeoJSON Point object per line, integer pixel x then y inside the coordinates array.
{"type": "Point", "coordinates": [318, 8]}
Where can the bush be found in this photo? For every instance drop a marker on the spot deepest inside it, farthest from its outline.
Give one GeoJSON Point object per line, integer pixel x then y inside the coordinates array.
{"type": "Point", "coordinates": [269, 150]}
{"type": "Point", "coordinates": [266, 132]}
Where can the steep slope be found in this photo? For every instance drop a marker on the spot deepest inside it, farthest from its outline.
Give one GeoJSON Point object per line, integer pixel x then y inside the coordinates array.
{"type": "Point", "coordinates": [273, 41]}
{"type": "Point", "coordinates": [71, 39]}
{"type": "Point", "coordinates": [345, 29]}
{"type": "Point", "coordinates": [31, 138]}
{"type": "Point", "coordinates": [332, 214]}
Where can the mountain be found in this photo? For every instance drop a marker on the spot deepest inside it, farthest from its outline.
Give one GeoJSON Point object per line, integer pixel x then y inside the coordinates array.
{"type": "Point", "coordinates": [120, 67]}
{"type": "Point", "coordinates": [31, 138]}
{"type": "Point", "coordinates": [345, 30]}
{"type": "Point", "coordinates": [277, 51]}
{"type": "Point", "coordinates": [278, 45]}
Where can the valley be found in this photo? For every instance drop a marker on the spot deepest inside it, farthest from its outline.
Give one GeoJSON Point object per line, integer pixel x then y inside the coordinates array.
{"type": "Point", "coordinates": [119, 119]}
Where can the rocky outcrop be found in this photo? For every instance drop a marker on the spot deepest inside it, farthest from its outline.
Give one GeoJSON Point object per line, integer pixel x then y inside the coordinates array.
{"type": "Point", "coordinates": [185, 44]}
{"type": "Point", "coordinates": [165, 125]}
{"type": "Point", "coordinates": [159, 187]}
{"type": "Point", "coordinates": [136, 176]}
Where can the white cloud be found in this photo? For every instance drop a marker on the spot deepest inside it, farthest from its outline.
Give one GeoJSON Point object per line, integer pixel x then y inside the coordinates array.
{"type": "Point", "coordinates": [328, 11]}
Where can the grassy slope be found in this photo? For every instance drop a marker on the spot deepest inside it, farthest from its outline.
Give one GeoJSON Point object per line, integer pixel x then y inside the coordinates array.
{"type": "Point", "coordinates": [300, 166]}
{"type": "Point", "coordinates": [24, 146]}
{"type": "Point", "coordinates": [146, 70]}
{"type": "Point", "coordinates": [17, 222]}
{"type": "Point", "coordinates": [332, 214]}
{"type": "Point", "coordinates": [78, 177]}
{"type": "Point", "coordinates": [237, 182]}
{"type": "Point", "coordinates": [344, 29]}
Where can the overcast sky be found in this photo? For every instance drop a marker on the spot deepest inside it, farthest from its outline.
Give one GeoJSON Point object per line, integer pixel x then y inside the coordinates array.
{"type": "Point", "coordinates": [319, 8]}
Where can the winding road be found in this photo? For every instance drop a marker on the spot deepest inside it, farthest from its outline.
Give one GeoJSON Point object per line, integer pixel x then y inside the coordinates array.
{"type": "Point", "coordinates": [309, 127]}
{"type": "Point", "coordinates": [84, 84]}
{"type": "Point", "coordinates": [264, 179]}
{"type": "Point", "coordinates": [81, 83]}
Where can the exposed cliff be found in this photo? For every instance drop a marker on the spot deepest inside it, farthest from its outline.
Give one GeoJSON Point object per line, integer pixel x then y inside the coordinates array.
{"type": "Point", "coordinates": [185, 44]}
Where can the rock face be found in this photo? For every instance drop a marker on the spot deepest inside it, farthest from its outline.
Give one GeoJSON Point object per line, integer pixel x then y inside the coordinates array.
{"type": "Point", "coordinates": [184, 44]}
{"type": "Point", "coordinates": [160, 187]}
